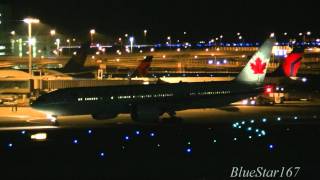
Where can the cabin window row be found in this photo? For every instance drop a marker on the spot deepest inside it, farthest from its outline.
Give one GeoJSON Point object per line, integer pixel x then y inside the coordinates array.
{"type": "Point", "coordinates": [125, 97]}
{"type": "Point", "coordinates": [209, 93]}
{"type": "Point", "coordinates": [144, 96]}
{"type": "Point", "coordinates": [88, 99]}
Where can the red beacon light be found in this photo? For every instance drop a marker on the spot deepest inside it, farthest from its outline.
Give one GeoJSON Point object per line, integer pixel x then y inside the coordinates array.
{"type": "Point", "coordinates": [268, 89]}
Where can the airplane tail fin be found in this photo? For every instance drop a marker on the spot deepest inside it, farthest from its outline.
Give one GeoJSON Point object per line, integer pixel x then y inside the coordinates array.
{"type": "Point", "coordinates": [143, 67]}
{"type": "Point", "coordinates": [255, 70]}
{"type": "Point", "coordinates": [77, 61]}
{"type": "Point", "coordinates": [290, 65]}
{"type": "Point", "coordinates": [293, 62]}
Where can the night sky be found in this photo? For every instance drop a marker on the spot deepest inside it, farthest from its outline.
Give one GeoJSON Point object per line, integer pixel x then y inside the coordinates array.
{"type": "Point", "coordinates": [201, 19]}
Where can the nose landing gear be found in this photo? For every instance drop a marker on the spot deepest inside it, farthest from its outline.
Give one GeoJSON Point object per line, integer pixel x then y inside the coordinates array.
{"type": "Point", "coordinates": [53, 119]}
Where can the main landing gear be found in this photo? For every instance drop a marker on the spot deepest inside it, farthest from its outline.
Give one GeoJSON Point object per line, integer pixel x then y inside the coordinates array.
{"type": "Point", "coordinates": [172, 119]}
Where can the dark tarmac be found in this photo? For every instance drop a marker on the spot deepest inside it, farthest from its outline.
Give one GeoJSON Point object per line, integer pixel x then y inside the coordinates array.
{"type": "Point", "coordinates": [197, 148]}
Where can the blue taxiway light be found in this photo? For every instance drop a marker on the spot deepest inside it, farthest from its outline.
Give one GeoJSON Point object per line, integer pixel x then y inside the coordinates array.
{"type": "Point", "coordinates": [271, 146]}
{"type": "Point", "coordinates": [89, 131]}
{"type": "Point", "coordinates": [10, 145]}
{"type": "Point", "coordinates": [23, 132]}
{"type": "Point", "coordinates": [126, 138]}
{"type": "Point", "coordinates": [152, 134]}
{"type": "Point", "coordinates": [188, 150]}
{"type": "Point", "coordinates": [235, 124]}
{"type": "Point", "coordinates": [101, 154]}
{"type": "Point", "coordinates": [249, 128]}
{"type": "Point", "coordinates": [137, 132]}
{"type": "Point", "coordinates": [75, 141]}
{"type": "Point", "coordinates": [264, 120]}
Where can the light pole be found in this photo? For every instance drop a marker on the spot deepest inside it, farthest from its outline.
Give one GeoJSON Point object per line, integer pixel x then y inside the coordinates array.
{"type": "Point", "coordinates": [30, 21]}
{"type": "Point", "coordinates": [169, 41]}
{"type": "Point", "coordinates": [52, 34]}
{"type": "Point", "coordinates": [69, 46]}
{"type": "Point", "coordinates": [13, 33]}
{"type": "Point", "coordinates": [145, 35]}
{"type": "Point", "coordinates": [239, 36]}
{"type": "Point", "coordinates": [131, 39]}
{"type": "Point", "coordinates": [58, 46]}
{"type": "Point", "coordinates": [92, 32]}
{"type": "Point", "coordinates": [308, 33]}
{"type": "Point", "coordinates": [285, 34]}
{"type": "Point", "coordinates": [241, 39]}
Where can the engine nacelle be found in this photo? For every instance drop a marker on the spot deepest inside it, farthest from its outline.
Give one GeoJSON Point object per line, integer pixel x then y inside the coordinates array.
{"type": "Point", "coordinates": [104, 116]}
{"type": "Point", "coordinates": [145, 114]}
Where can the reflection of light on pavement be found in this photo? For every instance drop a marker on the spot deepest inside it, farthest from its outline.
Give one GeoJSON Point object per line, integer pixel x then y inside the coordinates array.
{"type": "Point", "coordinates": [21, 116]}
{"type": "Point", "coordinates": [26, 128]}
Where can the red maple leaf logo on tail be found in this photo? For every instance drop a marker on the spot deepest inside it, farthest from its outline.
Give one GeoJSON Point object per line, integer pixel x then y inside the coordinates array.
{"type": "Point", "coordinates": [258, 67]}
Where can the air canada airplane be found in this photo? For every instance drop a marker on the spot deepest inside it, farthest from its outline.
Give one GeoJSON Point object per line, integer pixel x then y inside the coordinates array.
{"type": "Point", "coordinates": [146, 103]}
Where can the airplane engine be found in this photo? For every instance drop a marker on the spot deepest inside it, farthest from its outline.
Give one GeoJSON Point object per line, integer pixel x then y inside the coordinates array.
{"type": "Point", "coordinates": [104, 116]}
{"type": "Point", "coordinates": [145, 114]}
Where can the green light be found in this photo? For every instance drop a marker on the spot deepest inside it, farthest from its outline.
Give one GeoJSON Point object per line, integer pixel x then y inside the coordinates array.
{"type": "Point", "coordinates": [20, 47]}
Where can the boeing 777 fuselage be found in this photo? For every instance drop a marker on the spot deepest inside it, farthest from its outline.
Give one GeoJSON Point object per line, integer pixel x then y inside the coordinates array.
{"type": "Point", "coordinates": [143, 101]}
{"type": "Point", "coordinates": [148, 102]}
